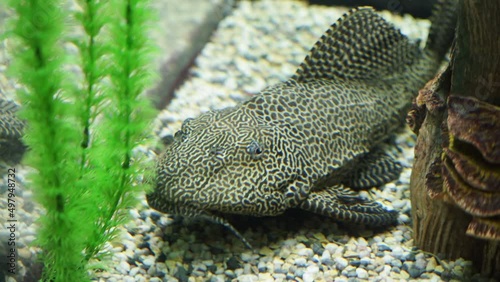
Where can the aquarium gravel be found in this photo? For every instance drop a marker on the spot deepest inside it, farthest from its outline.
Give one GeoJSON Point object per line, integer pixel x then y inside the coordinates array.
{"type": "Point", "coordinates": [259, 44]}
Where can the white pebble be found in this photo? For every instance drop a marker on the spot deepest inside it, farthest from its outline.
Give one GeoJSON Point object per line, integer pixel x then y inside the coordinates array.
{"type": "Point", "coordinates": [246, 256]}
{"type": "Point", "coordinates": [387, 259]}
{"type": "Point", "coordinates": [248, 278]}
{"type": "Point", "coordinates": [123, 267]}
{"type": "Point", "coordinates": [148, 261]}
{"type": "Point", "coordinates": [377, 239]}
{"type": "Point", "coordinates": [129, 245]}
{"type": "Point", "coordinates": [404, 218]}
{"type": "Point", "coordinates": [399, 204]}
{"type": "Point", "coordinates": [326, 255]}
{"type": "Point", "coordinates": [331, 247]}
{"type": "Point", "coordinates": [390, 240]}
{"type": "Point", "coordinates": [422, 256]}
{"type": "Point", "coordinates": [134, 271]}
{"type": "Point", "coordinates": [362, 242]}
{"type": "Point", "coordinates": [308, 277]}
{"type": "Point", "coordinates": [284, 252]}
{"type": "Point", "coordinates": [300, 246]}
{"type": "Point", "coordinates": [306, 252]}
{"type": "Point", "coordinates": [421, 263]}
{"type": "Point", "coordinates": [397, 252]}
{"type": "Point", "coordinates": [364, 253]}
{"type": "Point", "coordinates": [134, 213]}
{"type": "Point", "coordinates": [361, 273]}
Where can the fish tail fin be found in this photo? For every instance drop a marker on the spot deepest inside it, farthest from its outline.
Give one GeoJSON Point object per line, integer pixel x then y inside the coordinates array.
{"type": "Point", "coordinates": [442, 31]}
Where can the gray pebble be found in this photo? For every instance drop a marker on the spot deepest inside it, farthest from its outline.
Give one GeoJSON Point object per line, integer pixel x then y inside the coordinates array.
{"type": "Point", "coordinates": [181, 274]}
{"type": "Point", "coordinates": [301, 262]}
{"type": "Point", "coordinates": [261, 266]}
{"type": "Point", "coordinates": [152, 271]}
{"type": "Point", "coordinates": [410, 256]}
{"type": "Point", "coordinates": [300, 271]}
{"type": "Point", "coordinates": [355, 263]}
{"type": "Point", "coordinates": [407, 265]}
{"type": "Point", "coordinates": [415, 272]}
{"type": "Point", "coordinates": [232, 263]}
{"type": "Point", "coordinates": [396, 263]}
{"type": "Point", "coordinates": [366, 261]}
{"type": "Point", "coordinates": [383, 247]}
{"type": "Point", "coordinates": [318, 248]}
{"type": "Point", "coordinates": [284, 252]}
{"type": "Point", "coordinates": [134, 271]}
{"type": "Point", "coordinates": [281, 269]}
{"type": "Point", "coordinates": [327, 261]}
{"type": "Point", "coordinates": [351, 273]}
{"type": "Point", "coordinates": [238, 272]}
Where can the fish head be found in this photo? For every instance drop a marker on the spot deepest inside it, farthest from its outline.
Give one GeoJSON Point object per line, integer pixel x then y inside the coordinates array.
{"type": "Point", "coordinates": [221, 162]}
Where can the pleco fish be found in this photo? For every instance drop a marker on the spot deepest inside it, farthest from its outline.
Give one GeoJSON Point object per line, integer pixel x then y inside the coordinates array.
{"type": "Point", "coordinates": [312, 141]}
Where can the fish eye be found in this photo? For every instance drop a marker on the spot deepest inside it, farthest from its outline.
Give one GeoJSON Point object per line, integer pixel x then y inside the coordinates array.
{"type": "Point", "coordinates": [255, 149]}
{"type": "Point", "coordinates": [181, 134]}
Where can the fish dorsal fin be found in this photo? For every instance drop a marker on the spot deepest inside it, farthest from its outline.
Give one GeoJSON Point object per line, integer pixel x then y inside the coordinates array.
{"type": "Point", "coordinates": [360, 45]}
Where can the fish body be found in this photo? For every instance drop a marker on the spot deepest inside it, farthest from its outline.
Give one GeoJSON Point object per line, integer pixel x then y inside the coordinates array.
{"type": "Point", "coordinates": [310, 142]}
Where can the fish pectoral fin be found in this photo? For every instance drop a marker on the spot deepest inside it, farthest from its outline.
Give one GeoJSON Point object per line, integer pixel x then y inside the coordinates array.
{"type": "Point", "coordinates": [359, 46]}
{"type": "Point", "coordinates": [373, 170]}
{"type": "Point", "coordinates": [345, 205]}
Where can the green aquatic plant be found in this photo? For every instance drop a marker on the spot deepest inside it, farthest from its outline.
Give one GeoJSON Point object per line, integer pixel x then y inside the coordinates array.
{"type": "Point", "coordinates": [83, 125]}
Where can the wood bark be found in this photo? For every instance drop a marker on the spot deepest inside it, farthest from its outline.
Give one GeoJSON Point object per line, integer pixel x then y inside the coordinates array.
{"type": "Point", "coordinates": [439, 225]}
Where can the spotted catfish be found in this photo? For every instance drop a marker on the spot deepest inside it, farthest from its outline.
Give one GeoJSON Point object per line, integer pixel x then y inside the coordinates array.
{"type": "Point", "coordinates": [310, 142]}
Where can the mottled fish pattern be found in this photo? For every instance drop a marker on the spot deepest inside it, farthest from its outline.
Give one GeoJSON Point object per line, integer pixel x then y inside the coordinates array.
{"type": "Point", "coordinates": [310, 142]}
{"type": "Point", "coordinates": [11, 132]}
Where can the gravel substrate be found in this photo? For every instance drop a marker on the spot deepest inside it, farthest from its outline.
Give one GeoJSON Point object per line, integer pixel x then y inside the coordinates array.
{"type": "Point", "coordinates": [260, 44]}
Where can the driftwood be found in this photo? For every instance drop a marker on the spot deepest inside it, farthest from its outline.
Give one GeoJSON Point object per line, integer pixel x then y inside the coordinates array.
{"type": "Point", "coordinates": [455, 183]}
